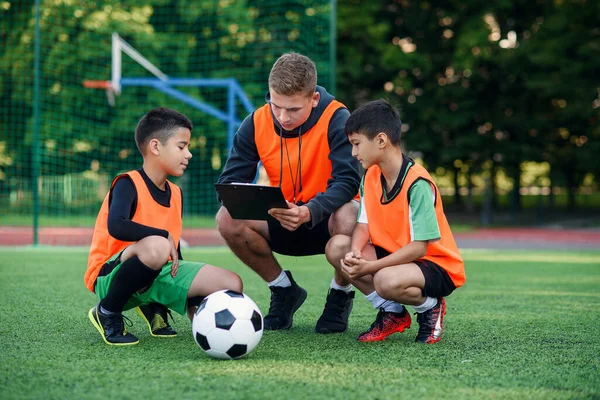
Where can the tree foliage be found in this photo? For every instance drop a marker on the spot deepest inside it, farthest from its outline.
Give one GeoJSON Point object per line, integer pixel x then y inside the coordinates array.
{"type": "Point", "coordinates": [482, 85]}
{"type": "Point", "coordinates": [184, 39]}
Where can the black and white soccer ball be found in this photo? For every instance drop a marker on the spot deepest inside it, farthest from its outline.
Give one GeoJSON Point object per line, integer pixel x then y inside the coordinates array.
{"type": "Point", "coordinates": [227, 325]}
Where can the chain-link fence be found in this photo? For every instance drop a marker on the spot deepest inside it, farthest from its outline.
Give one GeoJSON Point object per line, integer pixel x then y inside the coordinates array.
{"type": "Point", "coordinates": [61, 142]}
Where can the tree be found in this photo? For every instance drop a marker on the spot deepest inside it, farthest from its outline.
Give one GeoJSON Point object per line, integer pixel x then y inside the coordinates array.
{"type": "Point", "coordinates": [479, 83]}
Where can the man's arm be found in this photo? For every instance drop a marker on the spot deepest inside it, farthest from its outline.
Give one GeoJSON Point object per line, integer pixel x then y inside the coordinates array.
{"type": "Point", "coordinates": [345, 179]}
{"type": "Point", "coordinates": [122, 202]}
{"type": "Point", "coordinates": [243, 158]}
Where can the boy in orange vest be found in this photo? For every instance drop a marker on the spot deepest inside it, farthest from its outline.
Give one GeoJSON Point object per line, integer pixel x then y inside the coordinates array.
{"type": "Point", "coordinates": [135, 258]}
{"type": "Point", "coordinates": [402, 251]}
{"type": "Point", "coordinates": [299, 138]}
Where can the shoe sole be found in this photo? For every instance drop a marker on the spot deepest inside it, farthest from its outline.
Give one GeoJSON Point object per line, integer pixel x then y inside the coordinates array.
{"type": "Point", "coordinates": [141, 314]}
{"type": "Point", "coordinates": [430, 341]}
{"type": "Point", "coordinates": [382, 337]}
{"type": "Point", "coordinates": [300, 301]}
{"type": "Point", "coordinates": [99, 328]}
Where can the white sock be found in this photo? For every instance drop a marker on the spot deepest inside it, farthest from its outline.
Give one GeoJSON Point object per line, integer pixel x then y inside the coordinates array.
{"type": "Point", "coordinates": [282, 280]}
{"type": "Point", "coordinates": [388, 305]}
{"type": "Point", "coordinates": [334, 285]}
{"type": "Point", "coordinates": [429, 303]}
{"type": "Point", "coordinates": [392, 306]}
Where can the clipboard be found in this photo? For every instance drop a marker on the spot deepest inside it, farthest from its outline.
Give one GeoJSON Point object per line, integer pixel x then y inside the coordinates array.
{"type": "Point", "coordinates": [249, 200]}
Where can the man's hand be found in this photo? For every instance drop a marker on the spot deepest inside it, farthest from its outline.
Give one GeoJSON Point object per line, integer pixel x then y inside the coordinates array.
{"type": "Point", "coordinates": [174, 257]}
{"type": "Point", "coordinates": [291, 218]}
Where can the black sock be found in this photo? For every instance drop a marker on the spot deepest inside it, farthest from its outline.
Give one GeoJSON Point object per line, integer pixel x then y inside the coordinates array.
{"type": "Point", "coordinates": [194, 301]}
{"type": "Point", "coordinates": [132, 276]}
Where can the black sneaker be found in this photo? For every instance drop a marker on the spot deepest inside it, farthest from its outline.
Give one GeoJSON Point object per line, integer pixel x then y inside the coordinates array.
{"type": "Point", "coordinates": [112, 328]}
{"type": "Point", "coordinates": [284, 303]}
{"type": "Point", "coordinates": [156, 317]}
{"type": "Point", "coordinates": [431, 323]}
{"type": "Point", "coordinates": [336, 312]}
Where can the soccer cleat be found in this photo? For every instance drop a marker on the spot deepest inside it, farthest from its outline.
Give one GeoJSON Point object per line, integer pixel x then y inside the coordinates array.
{"type": "Point", "coordinates": [112, 328]}
{"type": "Point", "coordinates": [156, 317]}
{"type": "Point", "coordinates": [385, 324]}
{"type": "Point", "coordinates": [284, 303]}
{"type": "Point", "coordinates": [336, 312]}
{"type": "Point", "coordinates": [431, 323]}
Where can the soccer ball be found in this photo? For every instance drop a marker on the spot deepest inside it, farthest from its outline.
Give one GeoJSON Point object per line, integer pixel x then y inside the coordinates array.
{"type": "Point", "coordinates": [227, 325]}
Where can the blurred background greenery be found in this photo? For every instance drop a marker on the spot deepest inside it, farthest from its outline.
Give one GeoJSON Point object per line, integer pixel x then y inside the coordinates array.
{"type": "Point", "coordinates": [500, 100]}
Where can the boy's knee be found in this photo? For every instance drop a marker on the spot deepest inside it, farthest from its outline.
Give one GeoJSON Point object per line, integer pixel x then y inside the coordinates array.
{"type": "Point", "coordinates": [229, 280]}
{"type": "Point", "coordinates": [236, 283]}
{"type": "Point", "coordinates": [155, 251]}
{"type": "Point", "coordinates": [386, 286]}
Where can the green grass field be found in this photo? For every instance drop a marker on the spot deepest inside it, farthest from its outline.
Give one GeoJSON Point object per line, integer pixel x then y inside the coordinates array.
{"type": "Point", "coordinates": [524, 327]}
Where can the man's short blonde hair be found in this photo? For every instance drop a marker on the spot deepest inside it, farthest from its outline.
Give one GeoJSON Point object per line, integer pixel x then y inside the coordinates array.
{"type": "Point", "coordinates": [293, 73]}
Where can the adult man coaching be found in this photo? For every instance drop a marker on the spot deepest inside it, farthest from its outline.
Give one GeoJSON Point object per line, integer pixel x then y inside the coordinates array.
{"type": "Point", "coordinates": [299, 138]}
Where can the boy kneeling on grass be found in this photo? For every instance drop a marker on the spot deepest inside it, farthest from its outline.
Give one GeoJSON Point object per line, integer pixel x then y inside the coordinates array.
{"type": "Point", "coordinates": [135, 258]}
{"type": "Point", "coordinates": [402, 250]}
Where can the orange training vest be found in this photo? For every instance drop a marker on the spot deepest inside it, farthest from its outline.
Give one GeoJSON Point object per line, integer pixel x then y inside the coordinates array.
{"type": "Point", "coordinates": [316, 166]}
{"type": "Point", "coordinates": [389, 226]}
{"type": "Point", "coordinates": [148, 212]}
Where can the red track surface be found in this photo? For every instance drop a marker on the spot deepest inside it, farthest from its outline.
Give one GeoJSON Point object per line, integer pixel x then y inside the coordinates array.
{"type": "Point", "coordinates": [19, 236]}
{"type": "Point", "coordinates": [534, 234]}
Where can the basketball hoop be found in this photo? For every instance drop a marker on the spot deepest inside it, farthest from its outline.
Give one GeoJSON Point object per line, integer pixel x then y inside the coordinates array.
{"type": "Point", "coordinates": [106, 85]}
{"type": "Point", "coordinates": [113, 86]}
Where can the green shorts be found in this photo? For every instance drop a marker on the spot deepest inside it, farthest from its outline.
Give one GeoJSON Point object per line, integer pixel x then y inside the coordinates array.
{"type": "Point", "coordinates": [166, 290]}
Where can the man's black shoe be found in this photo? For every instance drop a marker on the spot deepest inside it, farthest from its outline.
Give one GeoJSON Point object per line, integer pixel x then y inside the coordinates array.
{"type": "Point", "coordinates": [112, 328]}
{"type": "Point", "coordinates": [336, 312]}
{"type": "Point", "coordinates": [284, 303]}
{"type": "Point", "coordinates": [156, 317]}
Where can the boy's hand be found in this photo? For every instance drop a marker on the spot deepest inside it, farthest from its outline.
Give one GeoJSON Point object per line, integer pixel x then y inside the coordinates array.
{"type": "Point", "coordinates": [353, 254]}
{"type": "Point", "coordinates": [291, 218]}
{"type": "Point", "coordinates": [354, 267]}
{"type": "Point", "coordinates": [174, 257]}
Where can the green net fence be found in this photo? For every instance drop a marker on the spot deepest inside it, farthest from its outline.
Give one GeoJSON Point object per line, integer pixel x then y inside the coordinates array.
{"type": "Point", "coordinates": [61, 143]}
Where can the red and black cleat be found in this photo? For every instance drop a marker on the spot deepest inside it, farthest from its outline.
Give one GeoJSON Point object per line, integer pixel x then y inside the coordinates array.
{"type": "Point", "coordinates": [386, 324]}
{"type": "Point", "coordinates": [431, 323]}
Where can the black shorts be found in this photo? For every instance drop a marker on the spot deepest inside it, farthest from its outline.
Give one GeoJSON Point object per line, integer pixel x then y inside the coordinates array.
{"type": "Point", "coordinates": [108, 267]}
{"type": "Point", "coordinates": [437, 282]}
{"type": "Point", "coordinates": [301, 242]}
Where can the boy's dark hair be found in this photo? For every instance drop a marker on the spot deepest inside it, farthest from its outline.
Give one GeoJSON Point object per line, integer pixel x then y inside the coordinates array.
{"type": "Point", "coordinates": [159, 123]}
{"type": "Point", "coordinates": [293, 73]}
{"type": "Point", "coordinates": [374, 117]}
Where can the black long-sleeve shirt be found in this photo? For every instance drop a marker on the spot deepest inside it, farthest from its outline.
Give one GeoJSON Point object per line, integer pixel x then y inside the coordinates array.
{"type": "Point", "coordinates": [243, 160]}
{"type": "Point", "coordinates": [122, 205]}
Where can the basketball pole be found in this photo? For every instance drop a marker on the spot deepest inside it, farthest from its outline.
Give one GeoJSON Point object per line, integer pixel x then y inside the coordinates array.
{"type": "Point", "coordinates": [115, 78]}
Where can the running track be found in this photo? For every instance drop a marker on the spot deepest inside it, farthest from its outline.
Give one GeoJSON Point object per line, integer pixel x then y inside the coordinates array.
{"type": "Point", "coordinates": [508, 238]}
